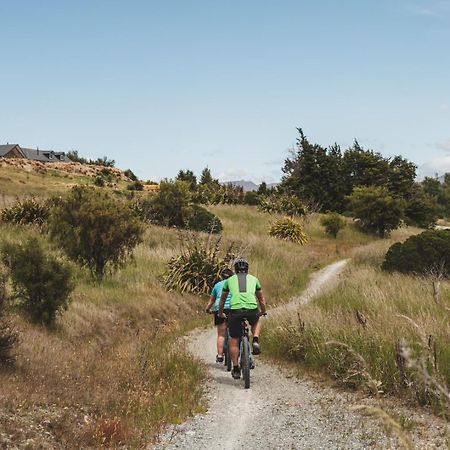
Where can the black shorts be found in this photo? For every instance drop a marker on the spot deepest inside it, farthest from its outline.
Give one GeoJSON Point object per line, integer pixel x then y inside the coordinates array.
{"type": "Point", "coordinates": [220, 320]}
{"type": "Point", "coordinates": [237, 316]}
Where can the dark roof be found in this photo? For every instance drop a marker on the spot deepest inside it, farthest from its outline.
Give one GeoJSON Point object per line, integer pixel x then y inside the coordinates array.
{"type": "Point", "coordinates": [5, 149]}
{"type": "Point", "coordinates": [45, 155]}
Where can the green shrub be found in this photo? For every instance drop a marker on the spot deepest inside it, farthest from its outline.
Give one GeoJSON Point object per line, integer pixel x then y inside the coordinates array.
{"type": "Point", "coordinates": [251, 198]}
{"type": "Point", "coordinates": [136, 186]}
{"type": "Point", "coordinates": [168, 207]}
{"type": "Point", "coordinates": [333, 223]}
{"type": "Point", "coordinates": [289, 230]}
{"type": "Point", "coordinates": [376, 209]}
{"type": "Point", "coordinates": [289, 205]}
{"type": "Point", "coordinates": [95, 230]}
{"type": "Point", "coordinates": [99, 181]}
{"type": "Point", "coordinates": [41, 282]}
{"type": "Point", "coordinates": [200, 219]}
{"type": "Point", "coordinates": [26, 212]}
{"type": "Point", "coordinates": [198, 266]}
{"type": "Point", "coordinates": [423, 254]}
{"type": "Point", "coordinates": [421, 210]}
{"type": "Point", "coordinates": [129, 174]}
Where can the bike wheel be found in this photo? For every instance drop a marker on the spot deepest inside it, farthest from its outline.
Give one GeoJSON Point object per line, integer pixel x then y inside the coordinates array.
{"type": "Point", "coordinates": [227, 353]}
{"type": "Point", "coordinates": [245, 359]}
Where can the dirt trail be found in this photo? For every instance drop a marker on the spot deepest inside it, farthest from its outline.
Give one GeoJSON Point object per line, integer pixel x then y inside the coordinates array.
{"type": "Point", "coordinates": [277, 412]}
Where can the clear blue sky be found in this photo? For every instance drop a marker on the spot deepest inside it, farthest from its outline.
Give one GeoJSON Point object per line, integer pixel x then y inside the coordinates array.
{"type": "Point", "coordinates": [164, 85]}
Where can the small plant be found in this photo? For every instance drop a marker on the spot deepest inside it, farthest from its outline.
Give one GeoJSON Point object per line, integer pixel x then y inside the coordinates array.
{"type": "Point", "coordinates": [95, 230]}
{"type": "Point", "coordinates": [422, 254]}
{"type": "Point", "coordinates": [289, 230]}
{"type": "Point", "coordinates": [333, 223]}
{"type": "Point", "coordinates": [26, 212]}
{"type": "Point", "coordinates": [41, 282]}
{"type": "Point", "coordinates": [129, 174]}
{"type": "Point", "coordinates": [99, 181]}
{"type": "Point", "coordinates": [198, 265]}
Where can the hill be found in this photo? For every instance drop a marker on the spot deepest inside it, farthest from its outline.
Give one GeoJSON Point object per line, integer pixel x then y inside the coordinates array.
{"type": "Point", "coordinates": [248, 185]}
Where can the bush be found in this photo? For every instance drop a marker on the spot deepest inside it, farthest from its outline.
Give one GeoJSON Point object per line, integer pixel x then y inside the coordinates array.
{"type": "Point", "coordinates": [421, 209]}
{"type": "Point", "coordinates": [251, 198]}
{"type": "Point", "coordinates": [168, 207]}
{"type": "Point", "coordinates": [200, 219]}
{"type": "Point", "coordinates": [423, 254]}
{"type": "Point", "coordinates": [377, 210]}
{"type": "Point", "coordinates": [129, 174]}
{"type": "Point", "coordinates": [135, 186]}
{"type": "Point", "coordinates": [289, 230]}
{"type": "Point", "coordinates": [95, 230]}
{"type": "Point", "coordinates": [99, 181]}
{"type": "Point", "coordinates": [198, 266]}
{"type": "Point", "coordinates": [41, 282]}
{"type": "Point", "coordinates": [333, 223]}
{"type": "Point", "coordinates": [289, 205]}
{"type": "Point", "coordinates": [26, 212]}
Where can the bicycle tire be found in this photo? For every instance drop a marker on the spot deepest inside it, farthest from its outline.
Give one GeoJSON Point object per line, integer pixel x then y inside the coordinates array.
{"type": "Point", "coordinates": [227, 352]}
{"type": "Point", "coordinates": [246, 362]}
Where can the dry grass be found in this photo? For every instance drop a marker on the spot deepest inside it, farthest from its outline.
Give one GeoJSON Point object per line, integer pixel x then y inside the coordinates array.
{"type": "Point", "coordinates": [371, 314]}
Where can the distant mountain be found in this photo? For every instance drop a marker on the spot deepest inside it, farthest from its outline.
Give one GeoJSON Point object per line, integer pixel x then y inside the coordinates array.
{"type": "Point", "coordinates": [248, 185]}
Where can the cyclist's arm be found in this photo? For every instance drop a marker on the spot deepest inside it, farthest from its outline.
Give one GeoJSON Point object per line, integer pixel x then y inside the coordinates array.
{"type": "Point", "coordinates": [261, 300]}
{"type": "Point", "coordinates": [211, 301]}
{"type": "Point", "coordinates": [223, 297]}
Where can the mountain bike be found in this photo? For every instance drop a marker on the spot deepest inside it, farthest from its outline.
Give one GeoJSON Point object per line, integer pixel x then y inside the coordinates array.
{"type": "Point", "coordinates": [226, 351]}
{"type": "Point", "coordinates": [245, 354]}
{"type": "Point", "coordinates": [246, 360]}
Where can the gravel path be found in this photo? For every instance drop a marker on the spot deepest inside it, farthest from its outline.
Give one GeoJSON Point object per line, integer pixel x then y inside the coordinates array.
{"type": "Point", "coordinates": [277, 412]}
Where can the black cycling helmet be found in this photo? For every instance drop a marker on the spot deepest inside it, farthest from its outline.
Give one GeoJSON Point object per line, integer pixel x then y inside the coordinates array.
{"type": "Point", "coordinates": [226, 273]}
{"type": "Point", "coordinates": [240, 265]}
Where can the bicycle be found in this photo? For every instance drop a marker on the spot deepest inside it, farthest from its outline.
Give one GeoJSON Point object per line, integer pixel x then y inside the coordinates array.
{"type": "Point", "coordinates": [226, 351]}
{"type": "Point", "coordinates": [246, 360]}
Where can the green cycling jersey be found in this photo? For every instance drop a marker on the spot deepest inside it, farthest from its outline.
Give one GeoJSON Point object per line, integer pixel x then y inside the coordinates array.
{"type": "Point", "coordinates": [242, 288]}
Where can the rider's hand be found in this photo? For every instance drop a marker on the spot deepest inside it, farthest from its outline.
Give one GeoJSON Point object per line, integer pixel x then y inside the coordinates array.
{"type": "Point", "coordinates": [224, 316]}
{"type": "Point", "coordinates": [207, 311]}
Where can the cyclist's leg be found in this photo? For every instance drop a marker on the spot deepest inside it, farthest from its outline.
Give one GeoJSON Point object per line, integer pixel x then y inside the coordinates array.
{"type": "Point", "coordinates": [256, 329]}
{"type": "Point", "coordinates": [221, 330]}
{"type": "Point", "coordinates": [234, 328]}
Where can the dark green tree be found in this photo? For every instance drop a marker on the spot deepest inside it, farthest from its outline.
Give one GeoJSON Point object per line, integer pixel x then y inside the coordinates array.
{"type": "Point", "coordinates": [206, 177]}
{"type": "Point", "coordinates": [421, 209]}
{"type": "Point", "coordinates": [378, 211]}
{"type": "Point", "coordinates": [402, 174]}
{"type": "Point", "coordinates": [189, 177]}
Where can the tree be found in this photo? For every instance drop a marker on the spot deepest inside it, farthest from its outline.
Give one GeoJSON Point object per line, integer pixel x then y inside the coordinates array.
{"type": "Point", "coordinates": [206, 177]}
{"type": "Point", "coordinates": [421, 209]}
{"type": "Point", "coordinates": [95, 230]}
{"type": "Point", "coordinates": [189, 177]}
{"type": "Point", "coordinates": [364, 168]}
{"type": "Point", "coordinates": [377, 210]}
{"type": "Point", "coordinates": [169, 206]}
{"type": "Point", "coordinates": [41, 282]}
{"type": "Point", "coordinates": [402, 174]}
{"type": "Point", "coordinates": [262, 189]}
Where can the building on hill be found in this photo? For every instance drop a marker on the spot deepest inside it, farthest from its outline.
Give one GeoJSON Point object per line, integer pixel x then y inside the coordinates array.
{"type": "Point", "coordinates": [11, 151]}
{"type": "Point", "coordinates": [15, 151]}
{"type": "Point", "coordinates": [45, 155]}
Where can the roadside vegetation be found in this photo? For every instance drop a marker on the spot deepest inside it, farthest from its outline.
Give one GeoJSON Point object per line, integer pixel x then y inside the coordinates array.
{"type": "Point", "coordinates": [374, 332]}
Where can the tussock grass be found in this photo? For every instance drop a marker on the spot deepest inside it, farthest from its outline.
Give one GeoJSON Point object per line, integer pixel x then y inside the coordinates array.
{"type": "Point", "coordinates": [355, 333]}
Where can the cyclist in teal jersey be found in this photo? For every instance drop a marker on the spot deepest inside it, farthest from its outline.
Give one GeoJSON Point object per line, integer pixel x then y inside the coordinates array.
{"type": "Point", "coordinates": [220, 321]}
{"type": "Point", "coordinates": [246, 293]}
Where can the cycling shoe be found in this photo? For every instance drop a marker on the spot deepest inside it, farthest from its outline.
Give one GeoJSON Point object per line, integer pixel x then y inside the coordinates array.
{"type": "Point", "coordinates": [256, 348]}
{"type": "Point", "coordinates": [236, 373]}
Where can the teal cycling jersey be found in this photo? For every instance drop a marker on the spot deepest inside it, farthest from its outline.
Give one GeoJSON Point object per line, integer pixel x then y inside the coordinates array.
{"type": "Point", "coordinates": [217, 292]}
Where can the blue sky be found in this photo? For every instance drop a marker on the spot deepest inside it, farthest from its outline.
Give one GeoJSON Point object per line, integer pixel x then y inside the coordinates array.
{"type": "Point", "coordinates": [183, 84]}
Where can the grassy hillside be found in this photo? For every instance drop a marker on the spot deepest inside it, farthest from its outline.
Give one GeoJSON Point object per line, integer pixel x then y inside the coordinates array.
{"type": "Point", "coordinates": [113, 370]}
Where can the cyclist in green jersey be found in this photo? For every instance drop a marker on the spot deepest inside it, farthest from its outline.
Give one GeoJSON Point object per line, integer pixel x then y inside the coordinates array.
{"type": "Point", "coordinates": [246, 293]}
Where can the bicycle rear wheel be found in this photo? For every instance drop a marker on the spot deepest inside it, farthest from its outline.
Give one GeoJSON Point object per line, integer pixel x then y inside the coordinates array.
{"type": "Point", "coordinates": [227, 352]}
{"type": "Point", "coordinates": [245, 359]}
